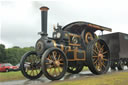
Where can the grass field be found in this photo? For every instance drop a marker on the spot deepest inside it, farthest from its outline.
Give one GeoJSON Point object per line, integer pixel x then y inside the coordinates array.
{"type": "Point", "coordinates": [116, 78]}
{"type": "Point", "coordinates": [6, 76]}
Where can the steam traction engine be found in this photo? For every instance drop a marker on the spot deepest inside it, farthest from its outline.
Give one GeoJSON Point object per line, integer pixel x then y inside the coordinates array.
{"type": "Point", "coordinates": [72, 47]}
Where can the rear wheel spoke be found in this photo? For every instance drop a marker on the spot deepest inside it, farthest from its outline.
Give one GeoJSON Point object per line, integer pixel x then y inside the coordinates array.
{"type": "Point", "coordinates": [105, 59]}
{"type": "Point", "coordinates": [105, 52]}
{"type": "Point", "coordinates": [95, 61]}
{"type": "Point", "coordinates": [103, 64]}
{"type": "Point", "coordinates": [102, 48]}
{"type": "Point", "coordinates": [95, 51]}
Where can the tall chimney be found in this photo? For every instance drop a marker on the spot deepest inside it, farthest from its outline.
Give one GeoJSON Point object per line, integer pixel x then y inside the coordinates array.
{"type": "Point", "coordinates": [44, 11]}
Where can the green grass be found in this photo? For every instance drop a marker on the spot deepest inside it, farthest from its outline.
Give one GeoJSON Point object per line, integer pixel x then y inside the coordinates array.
{"type": "Point", "coordinates": [85, 68]}
{"type": "Point", "coordinates": [117, 78]}
{"type": "Point", "coordinates": [6, 76]}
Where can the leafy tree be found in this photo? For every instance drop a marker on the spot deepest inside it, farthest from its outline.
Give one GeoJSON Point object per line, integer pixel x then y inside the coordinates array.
{"type": "Point", "coordinates": [2, 53]}
{"type": "Point", "coordinates": [15, 47]}
{"type": "Point", "coordinates": [14, 54]}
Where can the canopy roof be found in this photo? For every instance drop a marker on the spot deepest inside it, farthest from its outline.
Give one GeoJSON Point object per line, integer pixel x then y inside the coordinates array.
{"type": "Point", "coordinates": [78, 27]}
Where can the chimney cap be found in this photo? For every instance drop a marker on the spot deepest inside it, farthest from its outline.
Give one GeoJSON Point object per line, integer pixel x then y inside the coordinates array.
{"type": "Point", "coordinates": [44, 8]}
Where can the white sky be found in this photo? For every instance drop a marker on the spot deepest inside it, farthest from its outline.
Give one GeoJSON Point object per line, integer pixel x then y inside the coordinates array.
{"type": "Point", "coordinates": [20, 19]}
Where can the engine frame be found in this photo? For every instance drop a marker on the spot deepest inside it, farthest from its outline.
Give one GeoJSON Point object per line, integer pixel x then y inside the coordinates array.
{"type": "Point", "coordinates": [71, 47]}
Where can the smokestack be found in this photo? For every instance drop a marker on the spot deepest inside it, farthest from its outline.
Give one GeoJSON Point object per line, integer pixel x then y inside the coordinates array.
{"type": "Point", "coordinates": [44, 11]}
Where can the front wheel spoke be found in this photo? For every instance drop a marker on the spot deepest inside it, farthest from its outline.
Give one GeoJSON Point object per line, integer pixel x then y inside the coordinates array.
{"type": "Point", "coordinates": [31, 58]}
{"type": "Point", "coordinates": [36, 71]}
{"type": "Point", "coordinates": [50, 71]}
{"type": "Point", "coordinates": [54, 55]}
{"type": "Point", "coordinates": [26, 70]}
{"type": "Point", "coordinates": [31, 72]}
{"type": "Point", "coordinates": [35, 59]}
{"type": "Point", "coordinates": [56, 71]}
{"type": "Point", "coordinates": [59, 57]}
{"type": "Point", "coordinates": [95, 51]}
{"type": "Point", "coordinates": [49, 60]}
{"type": "Point", "coordinates": [95, 56]}
{"type": "Point", "coordinates": [49, 67]}
{"type": "Point", "coordinates": [48, 63]}
{"type": "Point", "coordinates": [59, 69]}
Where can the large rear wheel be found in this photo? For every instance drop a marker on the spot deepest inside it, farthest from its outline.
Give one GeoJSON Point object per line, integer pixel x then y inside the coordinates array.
{"type": "Point", "coordinates": [54, 63]}
{"type": "Point", "coordinates": [98, 56]}
{"type": "Point", "coordinates": [30, 65]}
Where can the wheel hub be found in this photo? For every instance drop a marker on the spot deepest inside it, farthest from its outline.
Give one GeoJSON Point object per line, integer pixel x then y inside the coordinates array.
{"type": "Point", "coordinates": [100, 56]}
{"type": "Point", "coordinates": [57, 63]}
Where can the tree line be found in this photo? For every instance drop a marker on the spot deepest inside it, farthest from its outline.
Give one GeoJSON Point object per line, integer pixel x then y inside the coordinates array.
{"type": "Point", "coordinates": [12, 55]}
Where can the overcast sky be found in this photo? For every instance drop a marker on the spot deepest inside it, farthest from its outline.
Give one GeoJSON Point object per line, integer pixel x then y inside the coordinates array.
{"type": "Point", "coordinates": [20, 19]}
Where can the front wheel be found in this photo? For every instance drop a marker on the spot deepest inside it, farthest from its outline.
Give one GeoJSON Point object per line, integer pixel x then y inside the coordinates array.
{"type": "Point", "coordinates": [30, 65]}
{"type": "Point", "coordinates": [54, 64]}
{"type": "Point", "coordinates": [98, 56]}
